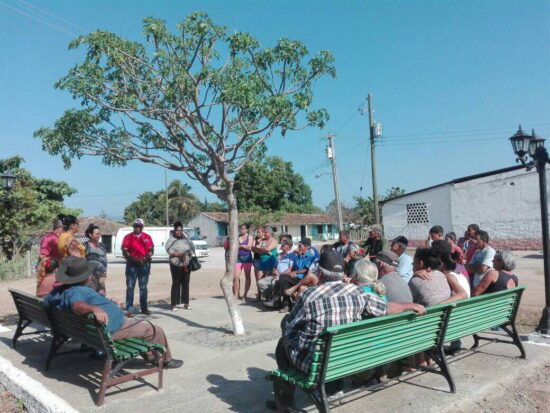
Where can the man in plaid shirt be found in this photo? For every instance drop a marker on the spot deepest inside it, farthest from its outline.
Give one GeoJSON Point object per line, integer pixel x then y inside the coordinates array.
{"type": "Point", "coordinates": [329, 304]}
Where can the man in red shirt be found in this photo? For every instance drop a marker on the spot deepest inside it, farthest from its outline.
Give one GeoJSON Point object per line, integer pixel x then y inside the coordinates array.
{"type": "Point", "coordinates": [137, 248]}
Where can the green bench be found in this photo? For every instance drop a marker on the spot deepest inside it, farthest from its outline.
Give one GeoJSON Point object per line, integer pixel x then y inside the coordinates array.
{"type": "Point", "coordinates": [345, 350]}
{"type": "Point", "coordinates": [30, 309]}
{"type": "Point", "coordinates": [352, 348]}
{"type": "Point", "coordinates": [88, 331]}
{"type": "Point", "coordinates": [474, 315]}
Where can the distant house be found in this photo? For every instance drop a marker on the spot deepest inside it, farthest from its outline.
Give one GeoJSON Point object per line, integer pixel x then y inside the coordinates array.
{"type": "Point", "coordinates": [503, 202]}
{"type": "Point", "coordinates": [215, 225]}
{"type": "Point", "coordinates": [107, 227]}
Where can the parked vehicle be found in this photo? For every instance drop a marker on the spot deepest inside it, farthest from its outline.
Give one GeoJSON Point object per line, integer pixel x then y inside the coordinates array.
{"type": "Point", "coordinates": [160, 235]}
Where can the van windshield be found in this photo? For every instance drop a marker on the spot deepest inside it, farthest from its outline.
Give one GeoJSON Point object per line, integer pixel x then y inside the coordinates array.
{"type": "Point", "coordinates": [192, 234]}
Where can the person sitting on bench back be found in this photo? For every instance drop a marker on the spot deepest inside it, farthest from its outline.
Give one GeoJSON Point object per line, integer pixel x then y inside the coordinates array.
{"type": "Point", "coordinates": [75, 296]}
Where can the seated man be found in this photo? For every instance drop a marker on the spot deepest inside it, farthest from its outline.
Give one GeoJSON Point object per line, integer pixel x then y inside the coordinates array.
{"type": "Point", "coordinates": [75, 296]}
{"type": "Point", "coordinates": [330, 303]}
{"type": "Point", "coordinates": [397, 288]}
{"type": "Point", "coordinates": [405, 268]}
{"type": "Point", "coordinates": [376, 241]}
{"type": "Point", "coordinates": [482, 261]}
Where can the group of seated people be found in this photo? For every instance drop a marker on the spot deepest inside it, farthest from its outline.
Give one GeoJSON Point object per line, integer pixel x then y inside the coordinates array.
{"type": "Point", "coordinates": [350, 287]}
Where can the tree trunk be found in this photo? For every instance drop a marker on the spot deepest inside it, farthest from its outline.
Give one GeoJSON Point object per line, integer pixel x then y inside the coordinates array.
{"type": "Point", "coordinates": [226, 283]}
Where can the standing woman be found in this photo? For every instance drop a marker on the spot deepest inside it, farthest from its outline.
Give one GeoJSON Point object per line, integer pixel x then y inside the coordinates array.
{"type": "Point", "coordinates": [179, 250]}
{"type": "Point", "coordinates": [244, 262]}
{"type": "Point", "coordinates": [96, 253]}
{"type": "Point", "coordinates": [256, 259]}
{"type": "Point", "coordinates": [67, 243]}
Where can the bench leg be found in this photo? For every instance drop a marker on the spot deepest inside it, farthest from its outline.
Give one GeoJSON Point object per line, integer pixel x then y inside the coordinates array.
{"type": "Point", "coordinates": [18, 331]}
{"type": "Point", "coordinates": [476, 342]}
{"type": "Point", "coordinates": [56, 343]}
{"type": "Point", "coordinates": [324, 408]}
{"type": "Point", "coordinates": [517, 341]}
{"type": "Point", "coordinates": [439, 357]}
{"type": "Point", "coordinates": [104, 382]}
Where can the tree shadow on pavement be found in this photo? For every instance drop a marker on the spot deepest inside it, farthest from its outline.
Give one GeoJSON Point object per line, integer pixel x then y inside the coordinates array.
{"type": "Point", "coordinates": [242, 395]}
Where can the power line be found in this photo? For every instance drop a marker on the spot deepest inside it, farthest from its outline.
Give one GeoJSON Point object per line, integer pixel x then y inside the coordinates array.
{"type": "Point", "coordinates": [53, 15]}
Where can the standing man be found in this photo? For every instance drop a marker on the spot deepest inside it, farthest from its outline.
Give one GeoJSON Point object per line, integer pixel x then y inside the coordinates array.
{"type": "Point", "coordinates": [137, 248]}
{"type": "Point", "coordinates": [436, 233]}
{"type": "Point", "coordinates": [482, 261]}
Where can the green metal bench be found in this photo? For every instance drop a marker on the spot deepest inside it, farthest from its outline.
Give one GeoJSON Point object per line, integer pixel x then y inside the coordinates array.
{"type": "Point", "coordinates": [88, 331]}
{"type": "Point", "coordinates": [474, 315]}
{"type": "Point", "coordinates": [30, 309]}
{"type": "Point", "coordinates": [345, 350]}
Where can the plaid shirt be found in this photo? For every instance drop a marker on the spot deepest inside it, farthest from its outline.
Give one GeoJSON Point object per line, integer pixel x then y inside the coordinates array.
{"type": "Point", "coordinates": [329, 304]}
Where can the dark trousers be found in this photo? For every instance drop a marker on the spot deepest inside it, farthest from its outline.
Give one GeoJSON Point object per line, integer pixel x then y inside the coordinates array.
{"type": "Point", "coordinates": [179, 293]}
{"type": "Point", "coordinates": [141, 275]}
{"type": "Point", "coordinates": [284, 391]}
{"type": "Point", "coordinates": [285, 282]}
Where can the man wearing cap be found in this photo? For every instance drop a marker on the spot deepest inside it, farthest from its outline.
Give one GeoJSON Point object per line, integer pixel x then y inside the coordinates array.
{"type": "Point", "coordinates": [137, 248]}
{"type": "Point", "coordinates": [397, 289]}
{"type": "Point", "coordinates": [399, 246]}
{"type": "Point", "coordinates": [375, 242]}
{"type": "Point", "coordinates": [73, 295]}
{"type": "Point", "coordinates": [330, 303]}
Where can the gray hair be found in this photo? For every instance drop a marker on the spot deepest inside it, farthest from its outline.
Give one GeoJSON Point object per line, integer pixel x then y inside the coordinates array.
{"type": "Point", "coordinates": [366, 273]}
{"type": "Point", "coordinates": [507, 259]}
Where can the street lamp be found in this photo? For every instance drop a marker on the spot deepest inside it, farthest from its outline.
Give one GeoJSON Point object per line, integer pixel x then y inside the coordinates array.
{"type": "Point", "coordinates": [8, 181]}
{"type": "Point", "coordinates": [530, 151]}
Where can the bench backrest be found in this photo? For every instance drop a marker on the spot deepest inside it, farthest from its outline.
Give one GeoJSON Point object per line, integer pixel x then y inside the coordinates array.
{"type": "Point", "coordinates": [366, 344]}
{"type": "Point", "coordinates": [482, 312]}
{"type": "Point", "coordinates": [29, 307]}
{"type": "Point", "coordinates": [79, 327]}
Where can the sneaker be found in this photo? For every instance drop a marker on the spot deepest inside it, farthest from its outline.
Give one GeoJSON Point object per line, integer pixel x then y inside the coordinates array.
{"type": "Point", "coordinates": [173, 364]}
{"type": "Point", "coordinates": [174, 309]}
{"type": "Point", "coordinates": [145, 312]}
{"type": "Point", "coordinates": [180, 305]}
{"type": "Point", "coordinates": [273, 303]}
{"type": "Point", "coordinates": [129, 314]}
{"type": "Point", "coordinates": [334, 399]}
{"type": "Point", "coordinates": [187, 307]}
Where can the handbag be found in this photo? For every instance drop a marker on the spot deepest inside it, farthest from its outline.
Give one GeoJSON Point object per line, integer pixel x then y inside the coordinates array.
{"type": "Point", "coordinates": [194, 264]}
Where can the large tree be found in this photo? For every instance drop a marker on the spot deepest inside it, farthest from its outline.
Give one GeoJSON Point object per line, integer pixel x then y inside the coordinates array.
{"type": "Point", "coordinates": [30, 207]}
{"type": "Point", "coordinates": [272, 185]}
{"type": "Point", "coordinates": [201, 101]}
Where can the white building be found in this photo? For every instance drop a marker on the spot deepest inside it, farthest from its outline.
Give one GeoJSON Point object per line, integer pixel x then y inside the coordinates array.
{"type": "Point", "coordinates": [215, 226]}
{"type": "Point", "coordinates": [505, 203]}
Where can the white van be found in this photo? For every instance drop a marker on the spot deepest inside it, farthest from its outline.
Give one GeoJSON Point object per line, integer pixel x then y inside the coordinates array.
{"type": "Point", "coordinates": [160, 235]}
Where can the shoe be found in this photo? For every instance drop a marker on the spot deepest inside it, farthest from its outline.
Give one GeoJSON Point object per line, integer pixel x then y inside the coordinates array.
{"type": "Point", "coordinates": [173, 364]}
{"type": "Point", "coordinates": [273, 303]}
{"type": "Point", "coordinates": [187, 307]}
{"type": "Point", "coordinates": [334, 399]}
{"type": "Point", "coordinates": [174, 309]}
{"type": "Point", "coordinates": [145, 312]}
{"type": "Point", "coordinates": [129, 314]}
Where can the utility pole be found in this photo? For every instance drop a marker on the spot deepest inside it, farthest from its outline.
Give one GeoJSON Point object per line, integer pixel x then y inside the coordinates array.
{"type": "Point", "coordinates": [166, 195]}
{"type": "Point", "coordinates": [372, 126]}
{"type": "Point", "coordinates": [331, 154]}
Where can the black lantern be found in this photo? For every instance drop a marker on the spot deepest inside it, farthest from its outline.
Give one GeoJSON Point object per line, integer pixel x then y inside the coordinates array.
{"type": "Point", "coordinates": [8, 181]}
{"type": "Point", "coordinates": [520, 144]}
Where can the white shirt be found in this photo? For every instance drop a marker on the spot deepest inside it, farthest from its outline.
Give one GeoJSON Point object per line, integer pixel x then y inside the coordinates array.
{"type": "Point", "coordinates": [482, 257]}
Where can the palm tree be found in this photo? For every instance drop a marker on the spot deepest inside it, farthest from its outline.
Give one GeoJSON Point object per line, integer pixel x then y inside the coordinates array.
{"type": "Point", "coordinates": [182, 204]}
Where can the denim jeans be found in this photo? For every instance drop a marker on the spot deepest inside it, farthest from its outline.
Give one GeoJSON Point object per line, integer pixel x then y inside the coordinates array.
{"type": "Point", "coordinates": [141, 274]}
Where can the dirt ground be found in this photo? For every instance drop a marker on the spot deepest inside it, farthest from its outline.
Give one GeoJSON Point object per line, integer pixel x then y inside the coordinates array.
{"type": "Point", "coordinates": [8, 403]}
{"type": "Point", "coordinates": [530, 395]}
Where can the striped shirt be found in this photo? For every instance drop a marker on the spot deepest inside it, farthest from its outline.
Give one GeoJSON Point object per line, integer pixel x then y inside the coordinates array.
{"type": "Point", "coordinates": [329, 304]}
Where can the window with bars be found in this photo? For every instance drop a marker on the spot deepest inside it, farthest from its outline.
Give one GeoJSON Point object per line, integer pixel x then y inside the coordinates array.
{"type": "Point", "coordinates": [417, 213]}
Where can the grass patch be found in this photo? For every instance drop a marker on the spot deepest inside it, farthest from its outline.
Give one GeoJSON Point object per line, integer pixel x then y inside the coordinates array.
{"type": "Point", "coordinates": [17, 268]}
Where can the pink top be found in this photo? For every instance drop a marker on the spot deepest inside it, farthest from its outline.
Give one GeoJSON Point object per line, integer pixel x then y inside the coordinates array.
{"type": "Point", "coordinates": [48, 246]}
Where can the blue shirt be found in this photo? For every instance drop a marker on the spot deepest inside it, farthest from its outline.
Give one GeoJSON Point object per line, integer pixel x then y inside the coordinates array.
{"type": "Point", "coordinates": [65, 296]}
{"type": "Point", "coordinates": [304, 261]}
{"type": "Point", "coordinates": [405, 268]}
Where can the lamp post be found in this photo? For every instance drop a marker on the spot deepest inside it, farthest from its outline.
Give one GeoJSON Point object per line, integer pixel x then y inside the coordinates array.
{"type": "Point", "coordinates": [530, 151]}
{"type": "Point", "coordinates": [8, 181]}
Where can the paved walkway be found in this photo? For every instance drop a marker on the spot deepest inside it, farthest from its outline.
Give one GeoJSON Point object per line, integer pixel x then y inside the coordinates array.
{"type": "Point", "coordinates": [226, 373]}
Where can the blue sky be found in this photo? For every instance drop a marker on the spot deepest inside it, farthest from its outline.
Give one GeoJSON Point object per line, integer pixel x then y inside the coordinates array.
{"type": "Point", "coordinates": [450, 81]}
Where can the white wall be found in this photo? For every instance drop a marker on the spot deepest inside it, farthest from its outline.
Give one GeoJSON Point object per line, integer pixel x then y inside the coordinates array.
{"type": "Point", "coordinates": [208, 228]}
{"type": "Point", "coordinates": [394, 213]}
{"type": "Point", "coordinates": [506, 205]}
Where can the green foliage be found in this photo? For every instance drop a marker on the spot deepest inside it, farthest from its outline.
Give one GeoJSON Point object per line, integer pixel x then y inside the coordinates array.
{"type": "Point", "coordinates": [212, 206]}
{"type": "Point", "coordinates": [151, 206]}
{"type": "Point", "coordinates": [272, 186]}
{"type": "Point", "coordinates": [200, 100]}
{"type": "Point", "coordinates": [365, 206]}
{"type": "Point", "coordinates": [16, 268]}
{"type": "Point", "coordinates": [30, 208]}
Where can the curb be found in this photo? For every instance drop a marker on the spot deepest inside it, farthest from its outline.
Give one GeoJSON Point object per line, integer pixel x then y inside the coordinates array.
{"type": "Point", "coordinates": [35, 396]}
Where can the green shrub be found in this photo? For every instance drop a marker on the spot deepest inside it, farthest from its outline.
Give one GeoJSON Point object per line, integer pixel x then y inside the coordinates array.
{"type": "Point", "coordinates": [16, 269]}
